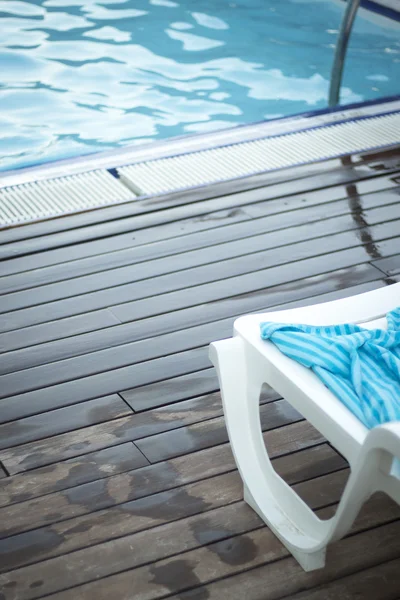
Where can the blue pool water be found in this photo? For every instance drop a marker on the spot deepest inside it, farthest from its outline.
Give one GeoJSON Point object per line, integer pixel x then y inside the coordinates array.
{"type": "Point", "coordinates": [81, 76]}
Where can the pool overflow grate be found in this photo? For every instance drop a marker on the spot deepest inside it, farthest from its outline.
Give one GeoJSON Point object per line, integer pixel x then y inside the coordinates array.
{"type": "Point", "coordinates": [167, 175]}
{"type": "Point", "coordinates": [44, 199]}
{"type": "Point", "coordinates": [39, 200]}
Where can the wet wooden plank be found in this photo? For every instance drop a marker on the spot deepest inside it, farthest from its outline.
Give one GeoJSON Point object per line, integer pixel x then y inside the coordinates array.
{"type": "Point", "coordinates": [72, 392]}
{"type": "Point", "coordinates": [185, 205]}
{"type": "Point", "coordinates": [171, 390]}
{"type": "Point", "coordinates": [61, 329]}
{"type": "Point", "coordinates": [287, 227]}
{"type": "Point", "coordinates": [197, 267]}
{"type": "Point", "coordinates": [338, 293]}
{"type": "Point", "coordinates": [208, 433]}
{"type": "Point", "coordinates": [133, 550]}
{"type": "Point", "coordinates": [64, 419]}
{"type": "Point", "coordinates": [284, 578]}
{"type": "Point", "coordinates": [240, 555]}
{"type": "Point", "coordinates": [90, 439]}
{"type": "Point", "coordinates": [239, 285]}
{"type": "Point", "coordinates": [177, 320]}
{"type": "Point", "coordinates": [163, 507]}
{"type": "Point", "coordinates": [210, 229]}
{"type": "Point", "coordinates": [110, 358]}
{"type": "Point", "coordinates": [72, 472]}
{"type": "Point", "coordinates": [22, 371]}
{"type": "Point", "coordinates": [380, 583]}
{"type": "Point", "coordinates": [305, 254]}
{"type": "Point", "coordinates": [117, 489]}
{"type": "Point", "coordinates": [389, 265]}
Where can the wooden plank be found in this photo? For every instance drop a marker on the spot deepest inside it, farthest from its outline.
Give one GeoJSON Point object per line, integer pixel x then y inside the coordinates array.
{"type": "Point", "coordinates": [201, 266]}
{"type": "Point", "coordinates": [72, 392]}
{"type": "Point", "coordinates": [389, 265]}
{"type": "Point", "coordinates": [162, 507]}
{"type": "Point", "coordinates": [55, 330]}
{"type": "Point", "coordinates": [380, 583]}
{"type": "Point", "coordinates": [270, 580]}
{"type": "Point", "coordinates": [62, 348]}
{"type": "Point", "coordinates": [210, 550]}
{"type": "Point", "coordinates": [50, 235]}
{"type": "Point", "coordinates": [62, 420]}
{"type": "Point", "coordinates": [373, 213]}
{"type": "Point", "coordinates": [72, 472]}
{"type": "Point", "coordinates": [244, 274]}
{"type": "Point", "coordinates": [110, 358]}
{"type": "Point", "coordinates": [217, 226]}
{"type": "Point", "coordinates": [171, 390]}
{"type": "Point", "coordinates": [125, 377]}
{"type": "Point", "coordinates": [96, 437]}
{"type": "Point", "coordinates": [3, 473]}
{"type": "Point", "coordinates": [207, 433]}
{"type": "Point", "coordinates": [237, 286]}
{"type": "Point", "coordinates": [123, 553]}
{"type": "Point", "coordinates": [337, 294]}
{"type": "Point", "coordinates": [114, 490]}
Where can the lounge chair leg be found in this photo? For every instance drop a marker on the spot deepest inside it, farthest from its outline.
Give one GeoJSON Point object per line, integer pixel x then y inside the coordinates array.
{"type": "Point", "coordinates": [292, 521]}
{"type": "Point", "coordinates": [309, 561]}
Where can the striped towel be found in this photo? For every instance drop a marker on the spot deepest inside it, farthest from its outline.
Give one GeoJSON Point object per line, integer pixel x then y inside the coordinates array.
{"type": "Point", "coordinates": [360, 366]}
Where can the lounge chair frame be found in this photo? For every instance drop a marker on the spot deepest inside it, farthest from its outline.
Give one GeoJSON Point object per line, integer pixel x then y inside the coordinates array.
{"type": "Point", "coordinates": [244, 364]}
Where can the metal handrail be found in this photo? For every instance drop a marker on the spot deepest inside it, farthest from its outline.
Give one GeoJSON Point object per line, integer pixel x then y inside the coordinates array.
{"type": "Point", "coordinates": [340, 52]}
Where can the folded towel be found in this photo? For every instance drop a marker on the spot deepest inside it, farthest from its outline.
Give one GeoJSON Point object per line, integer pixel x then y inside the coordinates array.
{"type": "Point", "coordinates": [360, 366]}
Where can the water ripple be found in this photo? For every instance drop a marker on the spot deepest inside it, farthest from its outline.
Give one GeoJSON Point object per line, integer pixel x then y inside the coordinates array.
{"type": "Point", "coordinates": [80, 76]}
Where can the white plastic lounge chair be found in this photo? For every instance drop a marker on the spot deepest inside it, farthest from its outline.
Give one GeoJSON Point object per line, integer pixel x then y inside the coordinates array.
{"type": "Point", "coordinates": [244, 363]}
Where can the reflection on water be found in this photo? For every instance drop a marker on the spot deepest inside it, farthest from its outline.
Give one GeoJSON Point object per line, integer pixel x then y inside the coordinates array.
{"type": "Point", "coordinates": [79, 76]}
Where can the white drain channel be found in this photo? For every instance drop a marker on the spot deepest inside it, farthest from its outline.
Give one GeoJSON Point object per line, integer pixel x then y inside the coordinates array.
{"type": "Point", "coordinates": [56, 197]}
{"type": "Point", "coordinates": [240, 160]}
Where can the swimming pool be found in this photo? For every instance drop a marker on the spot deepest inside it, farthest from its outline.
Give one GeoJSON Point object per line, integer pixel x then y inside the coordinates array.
{"type": "Point", "coordinates": [81, 76]}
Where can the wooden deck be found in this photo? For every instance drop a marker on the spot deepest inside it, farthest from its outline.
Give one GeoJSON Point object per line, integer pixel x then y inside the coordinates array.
{"type": "Point", "coordinates": [116, 478]}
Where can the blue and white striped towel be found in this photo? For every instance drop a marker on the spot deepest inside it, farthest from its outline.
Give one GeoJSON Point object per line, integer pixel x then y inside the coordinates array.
{"type": "Point", "coordinates": [360, 366]}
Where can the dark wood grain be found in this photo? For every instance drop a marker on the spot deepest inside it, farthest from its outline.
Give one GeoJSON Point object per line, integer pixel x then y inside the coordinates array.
{"type": "Point", "coordinates": [97, 503]}
{"type": "Point", "coordinates": [62, 348]}
{"type": "Point", "coordinates": [111, 358]}
{"type": "Point", "coordinates": [59, 421]}
{"type": "Point", "coordinates": [193, 268]}
{"type": "Point", "coordinates": [109, 382]}
{"type": "Point", "coordinates": [134, 550]}
{"type": "Point", "coordinates": [220, 553]}
{"type": "Point", "coordinates": [285, 578]}
{"type": "Point", "coordinates": [143, 482]}
{"type": "Point", "coordinates": [178, 503]}
{"type": "Point", "coordinates": [222, 231]}
{"type": "Point", "coordinates": [89, 439]}
{"type": "Point", "coordinates": [117, 431]}
{"type": "Point", "coordinates": [171, 390]}
{"type": "Point", "coordinates": [61, 329]}
{"type": "Point", "coordinates": [237, 286]}
{"type": "Point", "coordinates": [380, 582]}
{"type": "Point", "coordinates": [209, 433]}
{"type": "Point", "coordinates": [72, 472]}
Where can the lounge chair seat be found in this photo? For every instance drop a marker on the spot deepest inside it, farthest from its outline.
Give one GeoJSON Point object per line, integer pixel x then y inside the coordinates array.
{"type": "Point", "coordinates": [244, 364]}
